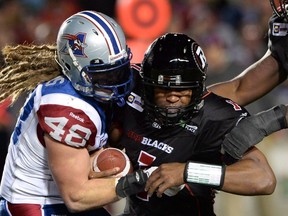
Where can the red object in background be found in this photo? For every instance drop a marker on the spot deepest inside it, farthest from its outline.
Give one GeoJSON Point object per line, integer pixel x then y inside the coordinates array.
{"type": "Point", "coordinates": [5, 117]}
{"type": "Point", "coordinates": [138, 48]}
{"type": "Point", "coordinates": [143, 19]}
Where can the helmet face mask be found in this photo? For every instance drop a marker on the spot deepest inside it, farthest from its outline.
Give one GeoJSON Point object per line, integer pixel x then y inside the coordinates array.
{"type": "Point", "coordinates": [280, 8]}
{"type": "Point", "coordinates": [173, 61]}
{"type": "Point", "coordinates": [109, 84]}
{"type": "Point", "coordinates": [93, 55]}
{"type": "Point", "coordinates": [168, 116]}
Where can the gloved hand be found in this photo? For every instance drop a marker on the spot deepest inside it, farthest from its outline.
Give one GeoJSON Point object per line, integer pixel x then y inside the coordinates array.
{"type": "Point", "coordinates": [133, 183]}
{"type": "Point", "coordinates": [278, 42]}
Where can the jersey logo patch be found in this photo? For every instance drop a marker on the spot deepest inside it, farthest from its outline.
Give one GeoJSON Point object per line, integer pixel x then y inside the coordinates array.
{"type": "Point", "coordinates": [135, 101]}
{"type": "Point", "coordinates": [191, 128]}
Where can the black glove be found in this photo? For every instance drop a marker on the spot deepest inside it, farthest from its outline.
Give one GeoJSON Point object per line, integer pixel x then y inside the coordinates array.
{"type": "Point", "coordinates": [251, 130]}
{"type": "Point", "coordinates": [131, 183]}
{"type": "Point", "coordinates": [278, 43]}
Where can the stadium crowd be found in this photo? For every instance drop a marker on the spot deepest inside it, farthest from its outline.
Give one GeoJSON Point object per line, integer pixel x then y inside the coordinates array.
{"type": "Point", "coordinates": [232, 33]}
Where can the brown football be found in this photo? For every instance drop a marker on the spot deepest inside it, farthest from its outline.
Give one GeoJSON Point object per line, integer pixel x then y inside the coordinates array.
{"type": "Point", "coordinates": [110, 158]}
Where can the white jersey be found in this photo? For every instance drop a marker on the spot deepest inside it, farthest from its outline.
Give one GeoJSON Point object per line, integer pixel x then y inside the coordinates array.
{"type": "Point", "coordinates": [57, 109]}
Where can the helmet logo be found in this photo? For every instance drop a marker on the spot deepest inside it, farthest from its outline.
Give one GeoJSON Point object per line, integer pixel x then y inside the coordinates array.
{"type": "Point", "coordinates": [76, 43]}
{"type": "Point", "coordinates": [199, 57]}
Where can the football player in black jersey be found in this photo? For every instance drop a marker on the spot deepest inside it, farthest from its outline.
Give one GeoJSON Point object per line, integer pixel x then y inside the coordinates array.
{"type": "Point", "coordinates": [250, 85]}
{"type": "Point", "coordinates": [171, 121]}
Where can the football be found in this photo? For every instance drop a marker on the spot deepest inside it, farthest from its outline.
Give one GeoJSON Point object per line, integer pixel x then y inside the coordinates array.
{"type": "Point", "coordinates": [110, 158]}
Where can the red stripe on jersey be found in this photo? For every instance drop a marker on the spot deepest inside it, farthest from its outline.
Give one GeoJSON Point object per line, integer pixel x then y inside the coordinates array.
{"type": "Point", "coordinates": [234, 104]}
{"type": "Point", "coordinates": [24, 209]}
{"type": "Point", "coordinates": [67, 125]}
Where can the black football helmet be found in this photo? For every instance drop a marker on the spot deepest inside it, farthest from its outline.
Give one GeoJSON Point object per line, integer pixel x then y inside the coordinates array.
{"type": "Point", "coordinates": [280, 8]}
{"type": "Point", "coordinates": [175, 61]}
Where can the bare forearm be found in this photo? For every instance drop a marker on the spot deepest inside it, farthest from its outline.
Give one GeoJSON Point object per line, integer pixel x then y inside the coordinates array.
{"type": "Point", "coordinates": [70, 168]}
{"type": "Point", "coordinates": [254, 82]}
{"type": "Point", "coordinates": [93, 194]}
{"type": "Point", "coordinates": [249, 177]}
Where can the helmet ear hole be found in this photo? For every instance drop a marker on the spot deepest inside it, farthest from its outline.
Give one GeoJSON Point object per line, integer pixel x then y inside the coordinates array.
{"type": "Point", "coordinates": [67, 66]}
{"type": "Point", "coordinates": [95, 32]}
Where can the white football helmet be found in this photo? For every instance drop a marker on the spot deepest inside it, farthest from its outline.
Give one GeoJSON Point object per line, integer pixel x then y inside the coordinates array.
{"type": "Point", "coordinates": [92, 52]}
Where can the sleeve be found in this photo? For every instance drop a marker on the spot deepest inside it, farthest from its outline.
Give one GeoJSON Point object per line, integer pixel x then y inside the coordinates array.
{"type": "Point", "coordinates": [251, 130]}
{"type": "Point", "coordinates": [70, 120]}
{"type": "Point", "coordinates": [220, 117]}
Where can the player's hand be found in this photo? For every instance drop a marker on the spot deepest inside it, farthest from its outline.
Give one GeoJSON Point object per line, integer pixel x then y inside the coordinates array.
{"type": "Point", "coordinates": [167, 178]}
{"type": "Point", "coordinates": [105, 173]}
{"type": "Point", "coordinates": [132, 183]}
{"type": "Point", "coordinates": [278, 41]}
{"type": "Point", "coordinates": [102, 174]}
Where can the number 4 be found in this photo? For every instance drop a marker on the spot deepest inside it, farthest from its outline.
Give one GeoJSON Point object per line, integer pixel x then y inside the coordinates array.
{"type": "Point", "coordinates": [57, 125]}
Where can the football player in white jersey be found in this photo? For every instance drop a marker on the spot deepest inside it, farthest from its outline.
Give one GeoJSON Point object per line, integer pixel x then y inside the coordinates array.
{"type": "Point", "coordinates": [65, 119]}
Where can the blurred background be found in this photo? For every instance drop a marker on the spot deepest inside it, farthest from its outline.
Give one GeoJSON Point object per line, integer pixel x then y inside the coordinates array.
{"type": "Point", "coordinates": [232, 33]}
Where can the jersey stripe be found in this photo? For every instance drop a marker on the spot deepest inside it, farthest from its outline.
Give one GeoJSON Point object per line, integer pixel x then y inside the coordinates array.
{"type": "Point", "coordinates": [27, 109]}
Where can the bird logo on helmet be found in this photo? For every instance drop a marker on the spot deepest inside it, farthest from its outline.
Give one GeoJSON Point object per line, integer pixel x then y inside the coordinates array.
{"type": "Point", "coordinates": [77, 44]}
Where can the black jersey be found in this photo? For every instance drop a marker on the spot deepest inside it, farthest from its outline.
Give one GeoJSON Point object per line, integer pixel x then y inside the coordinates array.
{"type": "Point", "coordinates": [147, 144]}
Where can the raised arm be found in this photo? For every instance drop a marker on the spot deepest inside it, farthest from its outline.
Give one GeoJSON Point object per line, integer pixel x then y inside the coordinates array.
{"type": "Point", "coordinates": [265, 74]}
{"type": "Point", "coordinates": [253, 83]}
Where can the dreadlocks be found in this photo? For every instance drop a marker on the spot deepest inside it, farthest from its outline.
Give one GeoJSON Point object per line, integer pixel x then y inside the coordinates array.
{"type": "Point", "coordinates": [25, 67]}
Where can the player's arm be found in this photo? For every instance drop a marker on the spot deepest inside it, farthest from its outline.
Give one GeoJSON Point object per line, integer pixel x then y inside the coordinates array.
{"type": "Point", "coordinates": [265, 74]}
{"type": "Point", "coordinates": [70, 167]}
{"type": "Point", "coordinates": [251, 130]}
{"type": "Point", "coordinates": [251, 175]}
{"type": "Point", "coordinates": [254, 82]}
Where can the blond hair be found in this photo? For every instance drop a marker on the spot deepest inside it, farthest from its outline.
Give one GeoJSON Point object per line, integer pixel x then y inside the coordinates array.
{"type": "Point", "coordinates": [26, 66]}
